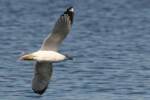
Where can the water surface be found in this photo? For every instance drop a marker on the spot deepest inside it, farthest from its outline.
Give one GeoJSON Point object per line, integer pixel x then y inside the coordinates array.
{"type": "Point", "coordinates": [110, 42]}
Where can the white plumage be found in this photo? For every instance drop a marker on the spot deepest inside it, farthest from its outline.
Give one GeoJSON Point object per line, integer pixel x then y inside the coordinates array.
{"type": "Point", "coordinates": [45, 56]}
{"type": "Point", "coordinates": [48, 52]}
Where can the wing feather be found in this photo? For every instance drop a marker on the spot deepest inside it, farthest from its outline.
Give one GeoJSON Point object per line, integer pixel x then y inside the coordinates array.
{"type": "Point", "coordinates": [42, 75]}
{"type": "Point", "coordinates": [60, 31]}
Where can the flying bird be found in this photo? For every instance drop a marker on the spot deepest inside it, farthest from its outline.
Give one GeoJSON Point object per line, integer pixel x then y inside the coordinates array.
{"type": "Point", "coordinates": [48, 53]}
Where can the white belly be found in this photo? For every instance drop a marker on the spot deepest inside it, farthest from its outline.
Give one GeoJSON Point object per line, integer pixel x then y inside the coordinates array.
{"type": "Point", "coordinates": [49, 56]}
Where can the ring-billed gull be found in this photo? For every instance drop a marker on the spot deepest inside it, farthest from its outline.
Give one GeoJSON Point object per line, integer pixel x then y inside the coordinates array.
{"type": "Point", "coordinates": [48, 52]}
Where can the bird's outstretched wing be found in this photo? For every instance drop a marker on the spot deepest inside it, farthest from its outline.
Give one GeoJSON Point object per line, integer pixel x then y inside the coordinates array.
{"type": "Point", "coordinates": [42, 75]}
{"type": "Point", "coordinates": [61, 29]}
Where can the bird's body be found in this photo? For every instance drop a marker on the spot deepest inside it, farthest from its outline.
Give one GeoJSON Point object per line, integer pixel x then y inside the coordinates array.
{"type": "Point", "coordinates": [44, 56]}
{"type": "Point", "coordinates": [48, 52]}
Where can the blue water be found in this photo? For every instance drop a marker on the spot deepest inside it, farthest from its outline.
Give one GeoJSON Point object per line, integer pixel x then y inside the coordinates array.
{"type": "Point", "coordinates": [110, 42]}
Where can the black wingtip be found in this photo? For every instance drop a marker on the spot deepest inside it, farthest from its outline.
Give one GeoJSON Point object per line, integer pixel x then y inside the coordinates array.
{"type": "Point", "coordinates": [40, 92]}
{"type": "Point", "coordinates": [70, 13]}
{"type": "Point", "coordinates": [70, 9]}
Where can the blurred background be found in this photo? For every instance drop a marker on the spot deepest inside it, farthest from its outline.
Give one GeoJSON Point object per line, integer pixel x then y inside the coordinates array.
{"type": "Point", "coordinates": [110, 42]}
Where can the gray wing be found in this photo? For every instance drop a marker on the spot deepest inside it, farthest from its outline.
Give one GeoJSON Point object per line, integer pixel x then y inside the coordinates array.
{"type": "Point", "coordinates": [60, 31]}
{"type": "Point", "coordinates": [42, 75]}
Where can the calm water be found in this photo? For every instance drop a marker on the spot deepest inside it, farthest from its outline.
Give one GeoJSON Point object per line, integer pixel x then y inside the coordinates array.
{"type": "Point", "coordinates": [110, 42]}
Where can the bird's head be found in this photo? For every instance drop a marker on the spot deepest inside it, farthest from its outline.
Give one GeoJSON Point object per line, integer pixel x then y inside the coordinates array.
{"type": "Point", "coordinates": [68, 57]}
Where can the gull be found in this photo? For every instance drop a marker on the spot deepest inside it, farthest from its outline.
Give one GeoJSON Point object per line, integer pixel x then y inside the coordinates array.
{"type": "Point", "coordinates": [48, 53]}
